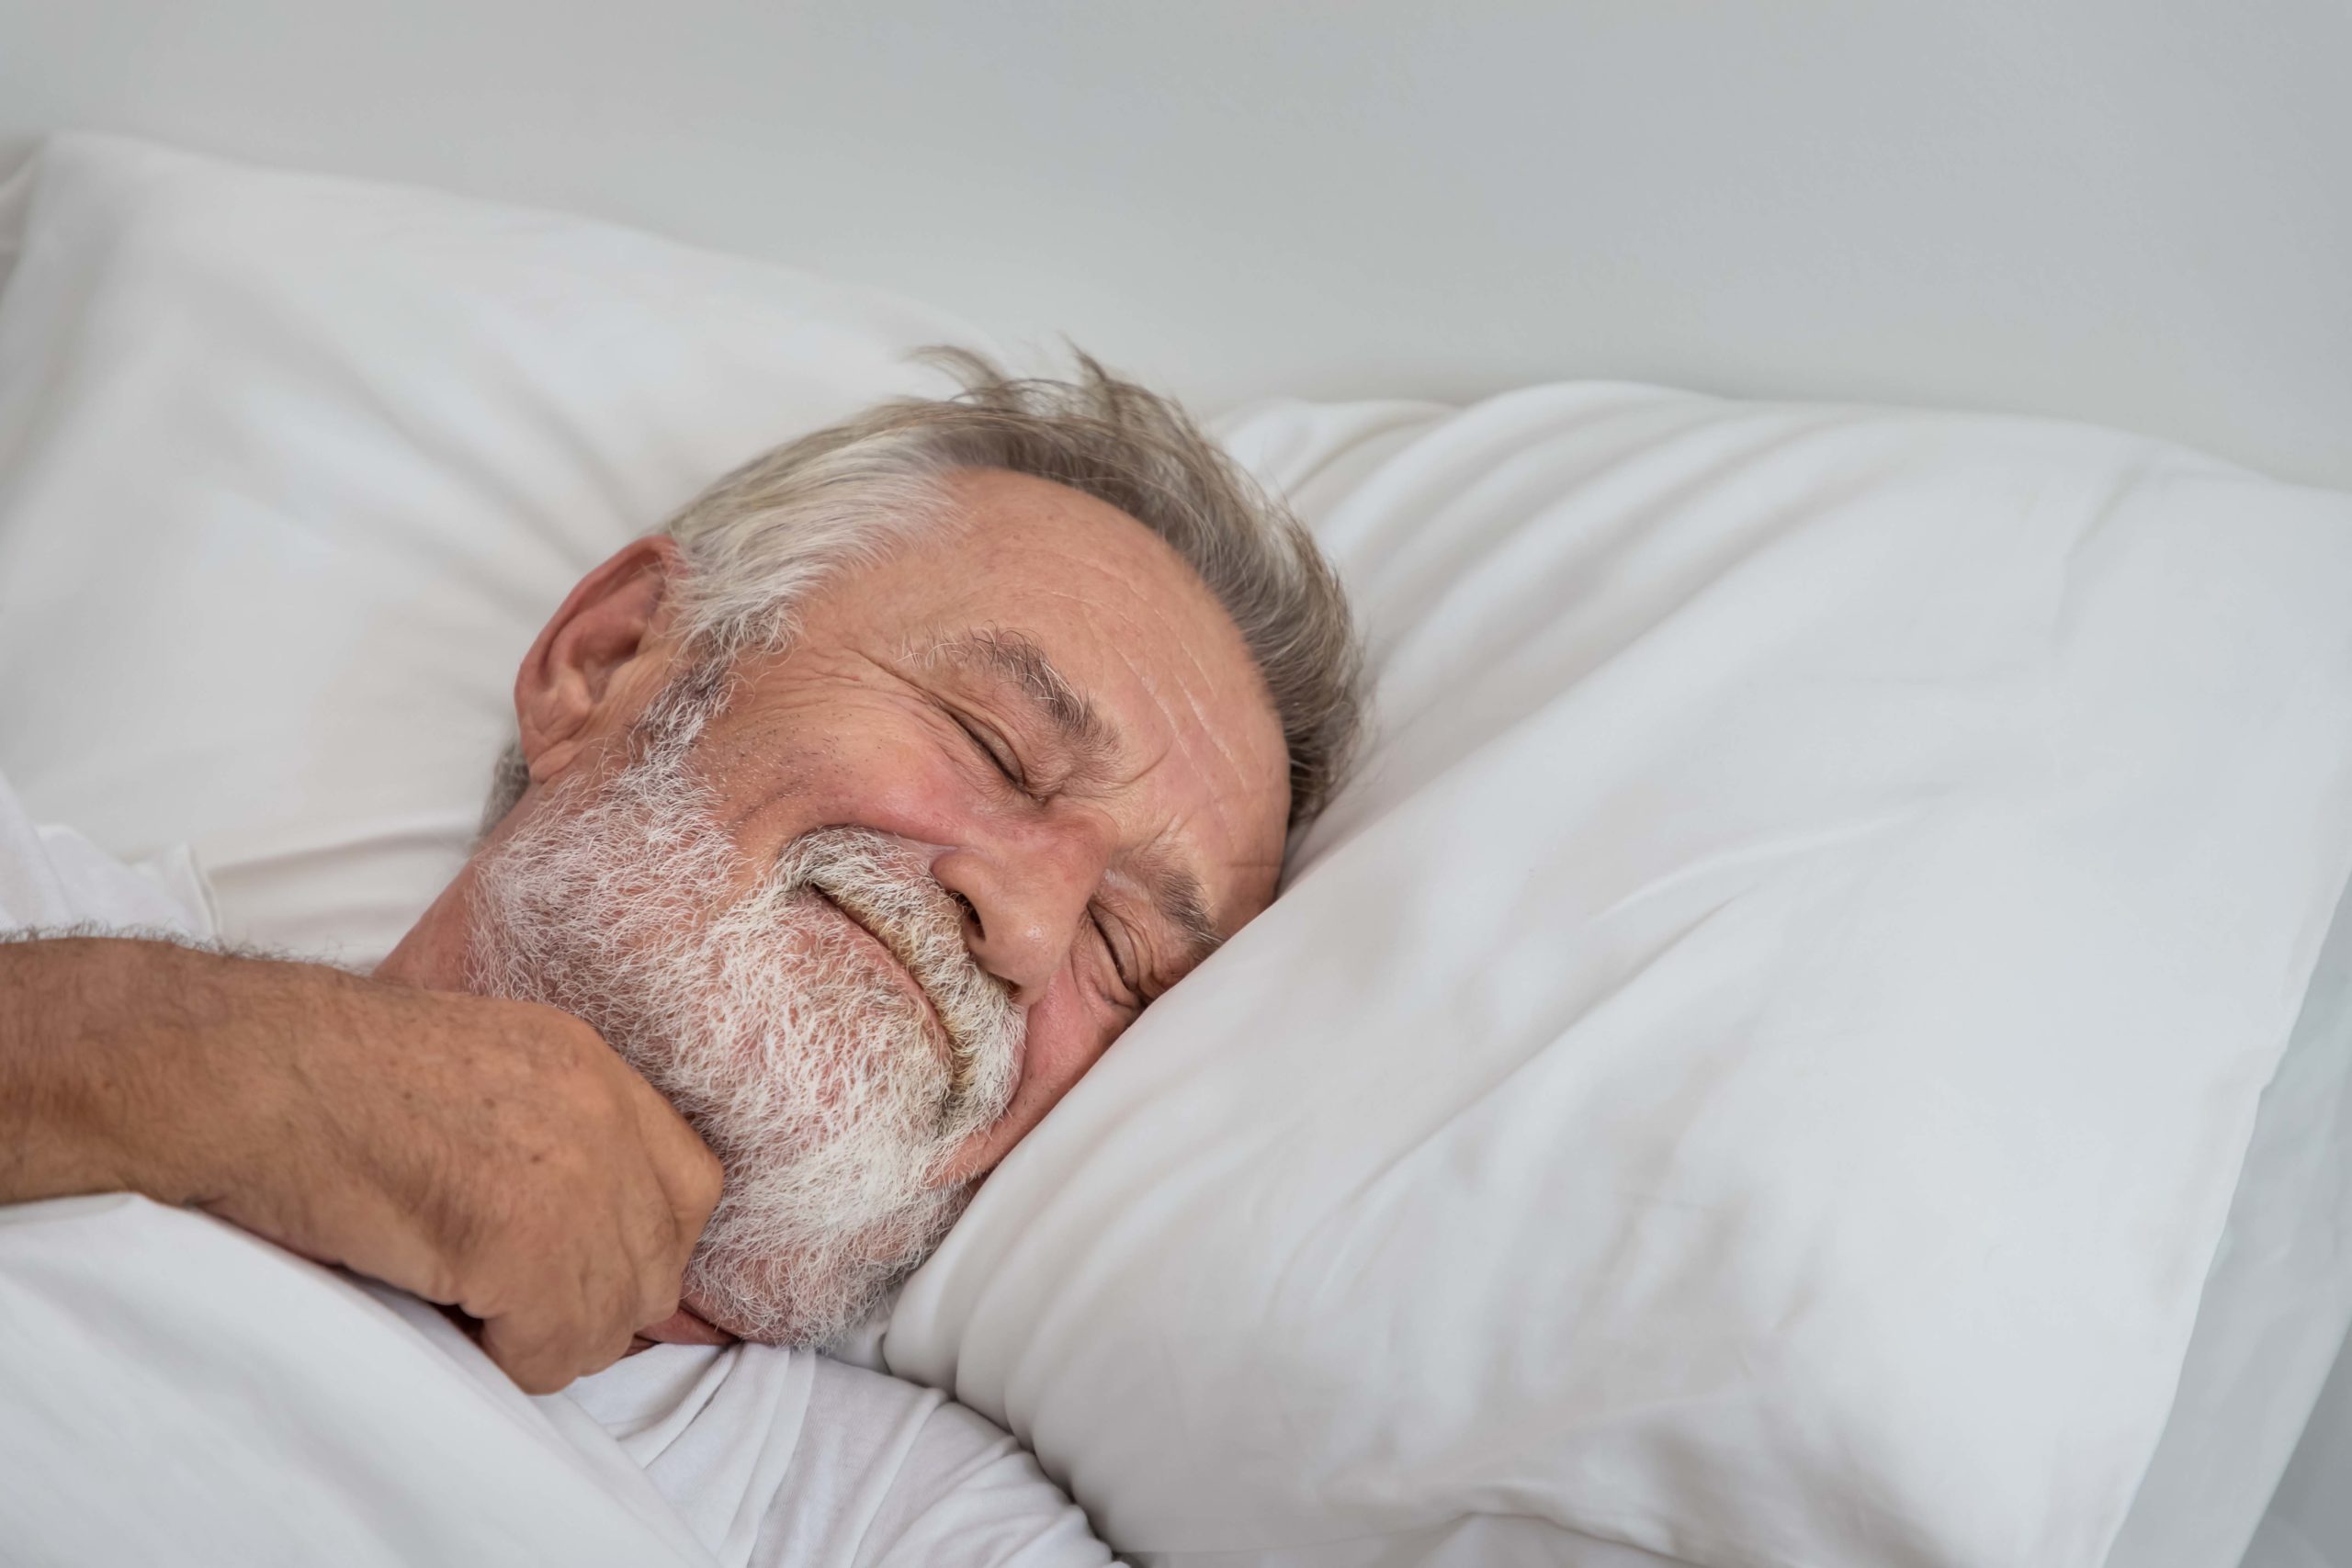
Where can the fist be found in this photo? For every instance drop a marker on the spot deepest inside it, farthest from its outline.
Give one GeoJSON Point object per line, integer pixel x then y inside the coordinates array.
{"type": "Point", "coordinates": [496, 1156]}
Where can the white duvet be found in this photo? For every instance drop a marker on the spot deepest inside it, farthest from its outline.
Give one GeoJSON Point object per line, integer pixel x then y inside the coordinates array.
{"type": "Point", "coordinates": [179, 1392]}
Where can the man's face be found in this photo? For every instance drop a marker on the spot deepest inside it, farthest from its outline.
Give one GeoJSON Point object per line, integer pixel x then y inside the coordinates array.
{"type": "Point", "coordinates": [1027, 762]}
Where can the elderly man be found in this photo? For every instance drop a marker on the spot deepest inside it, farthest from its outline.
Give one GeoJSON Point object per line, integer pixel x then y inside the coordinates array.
{"type": "Point", "coordinates": [849, 820]}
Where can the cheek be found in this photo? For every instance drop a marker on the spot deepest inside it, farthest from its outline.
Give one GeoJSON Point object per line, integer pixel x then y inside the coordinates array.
{"type": "Point", "coordinates": [1067, 1036]}
{"type": "Point", "coordinates": [910, 790]}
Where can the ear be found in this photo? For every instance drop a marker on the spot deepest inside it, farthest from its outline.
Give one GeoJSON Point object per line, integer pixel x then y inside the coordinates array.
{"type": "Point", "coordinates": [599, 660]}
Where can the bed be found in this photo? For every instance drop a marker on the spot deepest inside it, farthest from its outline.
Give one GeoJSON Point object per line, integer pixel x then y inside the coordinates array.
{"type": "Point", "coordinates": [2169, 1344]}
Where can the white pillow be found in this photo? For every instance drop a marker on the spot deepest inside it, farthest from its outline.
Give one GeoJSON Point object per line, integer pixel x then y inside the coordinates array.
{"type": "Point", "coordinates": [2273, 1319]}
{"type": "Point", "coordinates": [292, 469]}
{"type": "Point", "coordinates": [1755, 1070]}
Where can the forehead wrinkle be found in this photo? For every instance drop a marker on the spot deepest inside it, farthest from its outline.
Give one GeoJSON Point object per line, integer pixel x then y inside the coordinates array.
{"type": "Point", "coordinates": [1193, 693]}
{"type": "Point", "coordinates": [1179, 896]}
{"type": "Point", "coordinates": [1225, 747]}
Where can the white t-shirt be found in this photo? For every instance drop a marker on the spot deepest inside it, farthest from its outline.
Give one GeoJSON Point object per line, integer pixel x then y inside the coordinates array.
{"type": "Point", "coordinates": [178, 1391]}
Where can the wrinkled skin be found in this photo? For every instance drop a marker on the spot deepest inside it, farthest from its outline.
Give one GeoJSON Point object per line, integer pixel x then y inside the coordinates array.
{"type": "Point", "coordinates": [880, 715]}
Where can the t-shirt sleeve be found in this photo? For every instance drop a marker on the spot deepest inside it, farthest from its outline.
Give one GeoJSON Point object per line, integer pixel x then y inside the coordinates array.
{"type": "Point", "coordinates": [891, 1475]}
{"type": "Point", "coordinates": [969, 1496]}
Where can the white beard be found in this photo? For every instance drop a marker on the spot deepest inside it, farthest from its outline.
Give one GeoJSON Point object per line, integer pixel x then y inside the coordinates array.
{"type": "Point", "coordinates": [789, 1043]}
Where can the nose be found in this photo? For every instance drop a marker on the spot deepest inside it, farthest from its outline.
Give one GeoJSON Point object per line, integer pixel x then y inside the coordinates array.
{"type": "Point", "coordinates": [1026, 900]}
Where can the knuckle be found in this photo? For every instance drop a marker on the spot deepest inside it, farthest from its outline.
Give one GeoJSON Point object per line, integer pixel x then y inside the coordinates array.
{"type": "Point", "coordinates": [537, 1362]}
{"type": "Point", "coordinates": [552, 1042]}
{"type": "Point", "coordinates": [463, 1233]}
{"type": "Point", "coordinates": [537, 1378]}
{"type": "Point", "coordinates": [444, 1281]}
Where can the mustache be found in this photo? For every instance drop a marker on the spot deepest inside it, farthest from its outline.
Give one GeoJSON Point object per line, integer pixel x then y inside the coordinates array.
{"type": "Point", "coordinates": [831, 1093]}
{"type": "Point", "coordinates": [888, 888]}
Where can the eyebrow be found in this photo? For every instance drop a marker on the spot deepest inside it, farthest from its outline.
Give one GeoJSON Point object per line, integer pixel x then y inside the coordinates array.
{"type": "Point", "coordinates": [1017, 661]}
{"type": "Point", "coordinates": [1177, 893]}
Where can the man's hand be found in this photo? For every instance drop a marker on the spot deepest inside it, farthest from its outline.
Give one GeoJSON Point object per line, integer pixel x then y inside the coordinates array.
{"type": "Point", "coordinates": [495, 1157]}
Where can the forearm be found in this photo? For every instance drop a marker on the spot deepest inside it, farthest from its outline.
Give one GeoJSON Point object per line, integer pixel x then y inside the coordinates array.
{"type": "Point", "coordinates": [102, 1085]}
{"type": "Point", "coordinates": [493, 1154]}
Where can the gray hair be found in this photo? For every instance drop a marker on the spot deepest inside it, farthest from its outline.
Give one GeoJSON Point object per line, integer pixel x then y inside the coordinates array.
{"type": "Point", "coordinates": [758, 541]}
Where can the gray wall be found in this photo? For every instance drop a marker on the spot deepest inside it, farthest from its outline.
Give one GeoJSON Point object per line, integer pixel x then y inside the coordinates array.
{"type": "Point", "coordinates": [2128, 211]}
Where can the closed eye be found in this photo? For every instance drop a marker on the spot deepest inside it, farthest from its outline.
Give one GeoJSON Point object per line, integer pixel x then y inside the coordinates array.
{"type": "Point", "coordinates": [1119, 965]}
{"type": "Point", "coordinates": [991, 746]}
